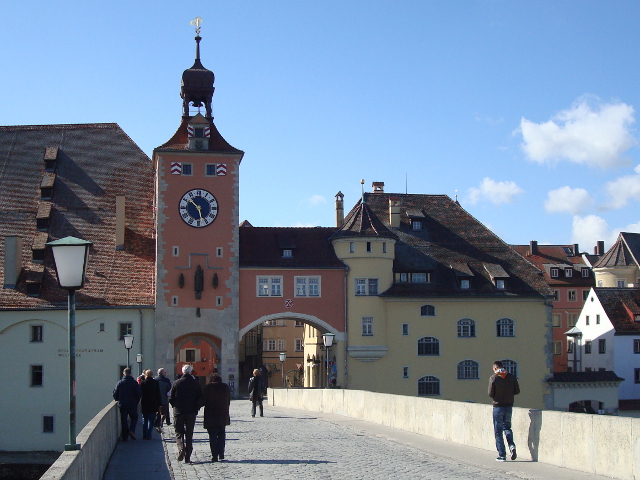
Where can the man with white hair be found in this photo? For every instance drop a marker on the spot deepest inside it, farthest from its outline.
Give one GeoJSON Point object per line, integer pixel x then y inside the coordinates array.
{"type": "Point", "coordinates": [184, 398]}
{"type": "Point", "coordinates": [165, 387]}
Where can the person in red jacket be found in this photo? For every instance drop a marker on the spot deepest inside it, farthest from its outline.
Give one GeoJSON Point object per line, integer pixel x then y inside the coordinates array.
{"type": "Point", "coordinates": [503, 386]}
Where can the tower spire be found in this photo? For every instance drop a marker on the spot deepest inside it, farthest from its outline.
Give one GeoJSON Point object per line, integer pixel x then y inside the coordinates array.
{"type": "Point", "coordinates": [197, 82]}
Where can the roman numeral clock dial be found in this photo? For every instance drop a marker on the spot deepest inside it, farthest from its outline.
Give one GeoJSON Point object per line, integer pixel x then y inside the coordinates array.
{"type": "Point", "coordinates": [198, 208]}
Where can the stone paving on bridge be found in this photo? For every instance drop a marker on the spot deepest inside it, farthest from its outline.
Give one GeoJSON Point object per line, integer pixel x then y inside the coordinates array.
{"type": "Point", "coordinates": [295, 444]}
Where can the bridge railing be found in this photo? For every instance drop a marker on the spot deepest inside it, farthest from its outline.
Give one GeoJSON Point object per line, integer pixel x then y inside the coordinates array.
{"type": "Point", "coordinates": [600, 444]}
{"type": "Point", "coordinates": [97, 441]}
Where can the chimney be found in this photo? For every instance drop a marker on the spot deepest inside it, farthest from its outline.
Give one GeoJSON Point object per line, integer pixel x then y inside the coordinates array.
{"type": "Point", "coordinates": [599, 250]}
{"type": "Point", "coordinates": [533, 247]}
{"type": "Point", "coordinates": [576, 250]}
{"type": "Point", "coordinates": [120, 222]}
{"type": "Point", "coordinates": [339, 209]}
{"type": "Point", "coordinates": [394, 212]}
{"type": "Point", "coordinates": [12, 261]}
{"type": "Point", "coordinates": [378, 187]}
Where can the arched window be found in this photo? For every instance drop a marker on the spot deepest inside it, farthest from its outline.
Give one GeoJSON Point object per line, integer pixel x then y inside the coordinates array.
{"type": "Point", "coordinates": [466, 328]}
{"type": "Point", "coordinates": [428, 346]}
{"type": "Point", "coordinates": [427, 311]}
{"type": "Point", "coordinates": [468, 369]}
{"type": "Point", "coordinates": [429, 385]}
{"type": "Point", "coordinates": [510, 366]}
{"type": "Point", "coordinates": [506, 327]}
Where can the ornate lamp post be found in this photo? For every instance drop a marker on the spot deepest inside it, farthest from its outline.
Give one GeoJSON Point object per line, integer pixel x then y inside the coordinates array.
{"type": "Point", "coordinates": [283, 357]}
{"type": "Point", "coordinates": [327, 338]}
{"type": "Point", "coordinates": [128, 343]}
{"type": "Point", "coordinates": [139, 361]}
{"type": "Point", "coordinates": [70, 257]}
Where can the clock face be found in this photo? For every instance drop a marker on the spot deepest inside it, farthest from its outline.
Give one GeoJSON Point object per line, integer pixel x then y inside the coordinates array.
{"type": "Point", "coordinates": [198, 208]}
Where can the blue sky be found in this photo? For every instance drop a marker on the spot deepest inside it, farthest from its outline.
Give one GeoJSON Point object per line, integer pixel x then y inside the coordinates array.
{"type": "Point", "coordinates": [526, 109]}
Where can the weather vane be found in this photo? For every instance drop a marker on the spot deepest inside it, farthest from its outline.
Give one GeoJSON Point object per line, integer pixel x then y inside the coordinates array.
{"type": "Point", "coordinates": [197, 22]}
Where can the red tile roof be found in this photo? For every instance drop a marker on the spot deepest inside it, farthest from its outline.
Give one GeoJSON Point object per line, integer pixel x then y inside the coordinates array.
{"type": "Point", "coordinates": [561, 257]}
{"type": "Point", "coordinates": [621, 305]}
{"type": "Point", "coordinates": [180, 140]}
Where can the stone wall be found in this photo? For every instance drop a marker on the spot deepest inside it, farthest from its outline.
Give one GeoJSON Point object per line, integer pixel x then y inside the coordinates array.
{"type": "Point", "coordinates": [600, 444]}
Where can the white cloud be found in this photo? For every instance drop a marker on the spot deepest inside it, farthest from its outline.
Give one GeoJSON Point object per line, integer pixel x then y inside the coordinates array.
{"type": "Point", "coordinates": [623, 189]}
{"type": "Point", "coordinates": [494, 192]}
{"type": "Point", "coordinates": [580, 134]}
{"type": "Point", "coordinates": [567, 199]}
{"type": "Point", "coordinates": [588, 230]}
{"type": "Point", "coordinates": [316, 200]}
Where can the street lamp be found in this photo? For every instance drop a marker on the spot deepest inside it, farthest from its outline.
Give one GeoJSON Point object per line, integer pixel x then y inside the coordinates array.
{"type": "Point", "coordinates": [283, 357]}
{"type": "Point", "coordinates": [139, 360]}
{"type": "Point", "coordinates": [70, 257]}
{"type": "Point", "coordinates": [128, 343]}
{"type": "Point", "coordinates": [327, 338]}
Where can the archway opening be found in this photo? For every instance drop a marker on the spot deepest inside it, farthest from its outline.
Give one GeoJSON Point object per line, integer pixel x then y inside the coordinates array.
{"type": "Point", "coordinates": [201, 351]}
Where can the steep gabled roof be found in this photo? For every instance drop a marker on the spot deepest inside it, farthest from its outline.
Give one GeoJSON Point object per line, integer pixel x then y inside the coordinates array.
{"type": "Point", "coordinates": [621, 305]}
{"type": "Point", "coordinates": [262, 247]}
{"type": "Point", "coordinates": [561, 257]}
{"type": "Point", "coordinates": [94, 163]}
{"type": "Point", "coordinates": [363, 222]}
{"type": "Point", "coordinates": [180, 141]}
{"type": "Point", "coordinates": [450, 242]}
{"type": "Point", "coordinates": [625, 252]}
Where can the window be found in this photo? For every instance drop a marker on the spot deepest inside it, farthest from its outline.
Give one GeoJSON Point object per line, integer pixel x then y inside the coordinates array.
{"type": "Point", "coordinates": [554, 273]}
{"type": "Point", "coordinates": [187, 169]}
{"type": "Point", "coordinates": [587, 347]}
{"type": "Point", "coordinates": [505, 327]}
{"type": "Point", "coordinates": [468, 370]}
{"type": "Point", "coordinates": [620, 282]}
{"type": "Point", "coordinates": [557, 347]}
{"type": "Point", "coordinates": [419, 277]}
{"type": "Point", "coordinates": [510, 366]}
{"type": "Point", "coordinates": [37, 255]}
{"type": "Point", "coordinates": [367, 326]}
{"type": "Point", "coordinates": [279, 322]}
{"type": "Point", "coordinates": [366, 286]}
{"type": "Point", "coordinates": [500, 284]}
{"type": "Point", "coordinates": [403, 277]}
{"type": "Point", "coordinates": [572, 319]}
{"type": "Point", "coordinates": [307, 286]}
{"type": "Point", "coordinates": [429, 386]}
{"type": "Point", "coordinates": [600, 283]}
{"type": "Point", "coordinates": [571, 295]}
{"type": "Point", "coordinates": [405, 372]}
{"type": "Point", "coordinates": [427, 311]}
{"type": "Point", "coordinates": [218, 301]}
{"type": "Point", "coordinates": [585, 295]}
{"type": "Point", "coordinates": [36, 333]}
{"type": "Point", "coordinates": [416, 225]}
{"type": "Point", "coordinates": [269, 345]}
{"type": "Point", "coordinates": [586, 320]}
{"type": "Point", "coordinates": [602, 346]}
{"type": "Point", "coordinates": [465, 284]}
{"type": "Point", "coordinates": [584, 272]}
{"type": "Point", "coordinates": [597, 319]}
{"type": "Point", "coordinates": [556, 319]}
{"type": "Point", "coordinates": [101, 327]}
{"type": "Point", "coordinates": [352, 247]}
{"type": "Point", "coordinates": [210, 170]}
{"type": "Point", "coordinates": [190, 355]}
{"type": "Point", "coordinates": [384, 247]}
{"type": "Point", "coordinates": [299, 345]}
{"type": "Point", "coordinates": [569, 346]}
{"type": "Point", "coordinates": [33, 289]}
{"type": "Point", "coordinates": [174, 301]}
{"type": "Point", "coordinates": [368, 247]}
{"type": "Point", "coordinates": [636, 345]}
{"type": "Point", "coordinates": [568, 272]}
{"type": "Point", "coordinates": [219, 252]}
{"type": "Point", "coordinates": [466, 328]}
{"type": "Point", "coordinates": [126, 329]}
{"type": "Point", "coordinates": [287, 253]}
{"type": "Point", "coordinates": [47, 424]}
{"type": "Point", "coordinates": [636, 375]}
{"type": "Point", "coordinates": [36, 375]}
{"type": "Point", "coordinates": [405, 329]}
{"type": "Point", "coordinates": [299, 323]}
{"type": "Point", "coordinates": [428, 346]}
{"type": "Point", "coordinates": [555, 295]}
{"type": "Point", "coordinates": [282, 346]}
{"type": "Point", "coordinates": [269, 286]}
{"type": "Point", "coordinates": [175, 251]}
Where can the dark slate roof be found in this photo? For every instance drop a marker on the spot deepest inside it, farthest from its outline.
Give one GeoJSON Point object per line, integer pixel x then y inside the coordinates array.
{"type": "Point", "coordinates": [180, 141]}
{"type": "Point", "coordinates": [626, 251]}
{"type": "Point", "coordinates": [621, 305]}
{"type": "Point", "coordinates": [262, 247]}
{"type": "Point", "coordinates": [95, 162]}
{"type": "Point", "coordinates": [584, 377]}
{"type": "Point", "coordinates": [451, 243]}
{"type": "Point", "coordinates": [559, 256]}
{"type": "Point", "coordinates": [362, 222]}
{"type": "Point", "coordinates": [632, 404]}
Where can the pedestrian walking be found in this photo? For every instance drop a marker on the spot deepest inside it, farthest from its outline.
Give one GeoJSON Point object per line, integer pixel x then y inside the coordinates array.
{"type": "Point", "coordinates": [150, 403]}
{"type": "Point", "coordinates": [127, 393]}
{"type": "Point", "coordinates": [184, 398]}
{"type": "Point", "coordinates": [216, 398]}
{"type": "Point", "coordinates": [257, 390]}
{"type": "Point", "coordinates": [165, 387]}
{"type": "Point", "coordinates": [503, 386]}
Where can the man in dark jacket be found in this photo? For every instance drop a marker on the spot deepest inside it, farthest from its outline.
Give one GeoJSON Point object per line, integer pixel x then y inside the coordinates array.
{"type": "Point", "coordinates": [257, 390]}
{"type": "Point", "coordinates": [184, 398]}
{"type": "Point", "coordinates": [503, 386]}
{"type": "Point", "coordinates": [165, 386]}
{"type": "Point", "coordinates": [127, 393]}
{"type": "Point", "coordinates": [216, 398]}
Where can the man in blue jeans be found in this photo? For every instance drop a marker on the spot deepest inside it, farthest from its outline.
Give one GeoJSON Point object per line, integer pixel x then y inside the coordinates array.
{"type": "Point", "coordinates": [503, 386]}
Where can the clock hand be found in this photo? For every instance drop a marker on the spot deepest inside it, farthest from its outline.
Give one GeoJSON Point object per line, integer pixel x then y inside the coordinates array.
{"type": "Point", "coordinates": [198, 207]}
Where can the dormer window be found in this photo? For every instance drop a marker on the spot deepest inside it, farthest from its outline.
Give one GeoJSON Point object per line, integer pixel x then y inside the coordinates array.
{"type": "Point", "coordinates": [416, 225]}
{"type": "Point", "coordinates": [42, 224]}
{"type": "Point", "coordinates": [636, 318]}
{"type": "Point", "coordinates": [568, 272]}
{"type": "Point", "coordinates": [585, 272]}
{"type": "Point", "coordinates": [554, 273]}
{"type": "Point", "coordinates": [198, 132]}
{"type": "Point", "coordinates": [287, 253]}
{"type": "Point", "coordinates": [465, 284]}
{"type": "Point", "coordinates": [500, 284]}
{"type": "Point", "coordinates": [419, 277]}
{"type": "Point", "coordinates": [37, 255]}
{"type": "Point", "coordinates": [33, 289]}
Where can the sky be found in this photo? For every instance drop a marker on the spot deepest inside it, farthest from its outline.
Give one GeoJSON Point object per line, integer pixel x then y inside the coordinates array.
{"type": "Point", "coordinates": [526, 110]}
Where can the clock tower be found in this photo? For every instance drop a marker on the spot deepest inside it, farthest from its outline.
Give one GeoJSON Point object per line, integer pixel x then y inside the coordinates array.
{"type": "Point", "coordinates": [197, 174]}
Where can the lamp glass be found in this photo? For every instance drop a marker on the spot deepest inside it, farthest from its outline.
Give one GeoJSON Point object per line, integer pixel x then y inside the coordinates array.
{"type": "Point", "coordinates": [283, 356]}
{"type": "Point", "coordinates": [128, 341]}
{"type": "Point", "coordinates": [139, 358]}
{"type": "Point", "coordinates": [70, 255]}
{"type": "Point", "coordinates": [328, 339]}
